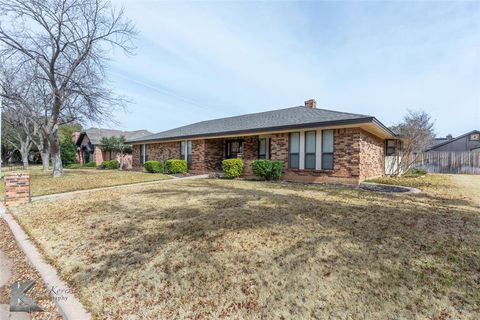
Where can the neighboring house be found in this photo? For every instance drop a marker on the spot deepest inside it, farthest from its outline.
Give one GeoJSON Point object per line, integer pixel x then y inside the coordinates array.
{"type": "Point", "coordinates": [315, 145]}
{"type": "Point", "coordinates": [466, 142]}
{"type": "Point", "coordinates": [89, 147]}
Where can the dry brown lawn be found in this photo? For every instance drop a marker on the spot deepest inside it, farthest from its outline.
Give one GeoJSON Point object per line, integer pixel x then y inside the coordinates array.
{"type": "Point", "coordinates": [21, 270]}
{"type": "Point", "coordinates": [257, 250]}
{"type": "Point", "coordinates": [42, 183]}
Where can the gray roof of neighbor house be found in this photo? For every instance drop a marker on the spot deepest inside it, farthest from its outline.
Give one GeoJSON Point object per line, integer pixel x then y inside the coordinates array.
{"type": "Point", "coordinates": [447, 141]}
{"type": "Point", "coordinates": [96, 134]}
{"type": "Point", "coordinates": [289, 118]}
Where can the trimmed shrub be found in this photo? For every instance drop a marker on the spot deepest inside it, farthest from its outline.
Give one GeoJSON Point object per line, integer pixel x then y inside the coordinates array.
{"type": "Point", "coordinates": [267, 169]}
{"type": "Point", "coordinates": [232, 168]}
{"type": "Point", "coordinates": [153, 166]}
{"type": "Point", "coordinates": [177, 166]}
{"type": "Point", "coordinates": [91, 164]}
{"type": "Point", "coordinates": [110, 164]}
{"type": "Point", "coordinates": [415, 172]}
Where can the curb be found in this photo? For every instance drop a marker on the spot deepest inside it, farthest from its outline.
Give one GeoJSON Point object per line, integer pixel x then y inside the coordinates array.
{"type": "Point", "coordinates": [70, 308]}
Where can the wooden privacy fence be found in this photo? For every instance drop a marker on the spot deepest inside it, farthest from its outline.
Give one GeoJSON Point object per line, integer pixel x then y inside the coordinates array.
{"type": "Point", "coordinates": [442, 162]}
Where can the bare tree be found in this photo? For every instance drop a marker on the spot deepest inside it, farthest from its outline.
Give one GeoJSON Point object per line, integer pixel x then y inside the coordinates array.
{"type": "Point", "coordinates": [28, 100]}
{"type": "Point", "coordinates": [17, 131]}
{"type": "Point", "coordinates": [417, 134]}
{"type": "Point", "coordinates": [69, 43]}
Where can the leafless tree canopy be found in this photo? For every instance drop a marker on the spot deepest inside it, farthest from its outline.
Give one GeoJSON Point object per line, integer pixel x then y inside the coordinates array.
{"type": "Point", "coordinates": [417, 133]}
{"type": "Point", "coordinates": [68, 43]}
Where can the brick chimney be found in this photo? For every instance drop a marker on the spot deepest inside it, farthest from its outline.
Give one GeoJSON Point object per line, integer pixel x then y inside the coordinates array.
{"type": "Point", "coordinates": [311, 103]}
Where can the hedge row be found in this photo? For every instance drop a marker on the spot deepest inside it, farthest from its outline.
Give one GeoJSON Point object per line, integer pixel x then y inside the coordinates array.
{"type": "Point", "coordinates": [171, 166]}
{"type": "Point", "coordinates": [91, 164]}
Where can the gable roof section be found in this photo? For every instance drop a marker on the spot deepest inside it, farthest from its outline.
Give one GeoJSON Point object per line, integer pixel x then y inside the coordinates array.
{"type": "Point", "coordinates": [282, 119]}
{"type": "Point", "coordinates": [451, 140]}
{"type": "Point", "coordinates": [96, 134]}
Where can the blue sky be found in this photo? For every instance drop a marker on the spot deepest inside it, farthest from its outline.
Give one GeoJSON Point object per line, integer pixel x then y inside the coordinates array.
{"type": "Point", "coordinates": [203, 60]}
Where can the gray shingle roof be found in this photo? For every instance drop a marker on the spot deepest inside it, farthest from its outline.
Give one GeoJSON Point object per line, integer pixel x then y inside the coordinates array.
{"type": "Point", "coordinates": [96, 134]}
{"type": "Point", "coordinates": [294, 117]}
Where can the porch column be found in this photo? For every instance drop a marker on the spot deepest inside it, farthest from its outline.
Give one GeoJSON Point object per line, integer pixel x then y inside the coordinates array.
{"type": "Point", "coordinates": [198, 155]}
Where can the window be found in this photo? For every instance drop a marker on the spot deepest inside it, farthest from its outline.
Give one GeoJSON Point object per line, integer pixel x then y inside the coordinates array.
{"type": "Point", "coordinates": [188, 157]}
{"type": "Point", "coordinates": [475, 137]}
{"type": "Point", "coordinates": [390, 147]}
{"type": "Point", "coordinates": [310, 149]}
{"type": "Point", "coordinates": [264, 148]}
{"type": "Point", "coordinates": [294, 150]}
{"type": "Point", "coordinates": [143, 153]}
{"type": "Point", "coordinates": [327, 149]}
{"type": "Point", "coordinates": [234, 149]}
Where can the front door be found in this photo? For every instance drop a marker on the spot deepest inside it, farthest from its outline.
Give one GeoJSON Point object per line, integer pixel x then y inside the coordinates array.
{"type": "Point", "coordinates": [234, 149]}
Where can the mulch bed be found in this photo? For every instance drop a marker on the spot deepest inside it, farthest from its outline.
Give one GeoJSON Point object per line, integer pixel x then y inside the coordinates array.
{"type": "Point", "coordinates": [22, 270]}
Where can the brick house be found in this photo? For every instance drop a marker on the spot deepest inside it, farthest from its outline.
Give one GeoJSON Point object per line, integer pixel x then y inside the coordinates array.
{"type": "Point", "coordinates": [89, 146]}
{"type": "Point", "coordinates": [315, 145]}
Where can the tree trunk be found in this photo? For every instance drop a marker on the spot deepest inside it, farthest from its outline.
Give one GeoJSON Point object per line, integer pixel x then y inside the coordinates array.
{"type": "Point", "coordinates": [55, 153]}
{"type": "Point", "coordinates": [24, 150]}
{"type": "Point", "coordinates": [57, 164]}
{"type": "Point", "coordinates": [121, 162]}
{"type": "Point", "coordinates": [45, 160]}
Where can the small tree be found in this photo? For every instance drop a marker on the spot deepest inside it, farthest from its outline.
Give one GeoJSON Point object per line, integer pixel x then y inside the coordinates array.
{"type": "Point", "coordinates": [68, 152]}
{"type": "Point", "coordinates": [117, 145]}
{"type": "Point", "coordinates": [417, 133]}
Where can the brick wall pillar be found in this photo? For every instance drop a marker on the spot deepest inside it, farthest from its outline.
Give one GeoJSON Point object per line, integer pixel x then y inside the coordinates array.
{"type": "Point", "coordinates": [17, 188]}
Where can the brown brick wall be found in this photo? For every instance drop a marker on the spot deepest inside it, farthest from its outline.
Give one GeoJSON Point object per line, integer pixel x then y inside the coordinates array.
{"type": "Point", "coordinates": [198, 156]}
{"type": "Point", "coordinates": [279, 148]}
{"type": "Point", "coordinates": [136, 162]}
{"type": "Point", "coordinates": [17, 188]}
{"type": "Point", "coordinates": [372, 156]}
{"type": "Point", "coordinates": [250, 153]}
{"type": "Point", "coordinates": [346, 153]}
{"type": "Point", "coordinates": [157, 151]}
{"type": "Point", "coordinates": [164, 151]}
{"type": "Point", "coordinates": [207, 155]}
{"type": "Point", "coordinates": [98, 155]}
{"type": "Point", "coordinates": [214, 154]}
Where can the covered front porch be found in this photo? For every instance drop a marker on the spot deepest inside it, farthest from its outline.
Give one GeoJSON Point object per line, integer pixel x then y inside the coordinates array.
{"type": "Point", "coordinates": [207, 154]}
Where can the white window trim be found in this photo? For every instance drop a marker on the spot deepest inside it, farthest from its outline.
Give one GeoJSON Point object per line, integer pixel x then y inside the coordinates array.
{"type": "Point", "coordinates": [185, 150]}
{"type": "Point", "coordinates": [301, 156]}
{"type": "Point", "coordinates": [144, 148]}
{"type": "Point", "coordinates": [318, 151]}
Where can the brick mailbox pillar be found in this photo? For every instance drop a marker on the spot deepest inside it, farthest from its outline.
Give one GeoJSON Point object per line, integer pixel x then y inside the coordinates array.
{"type": "Point", "coordinates": [17, 188]}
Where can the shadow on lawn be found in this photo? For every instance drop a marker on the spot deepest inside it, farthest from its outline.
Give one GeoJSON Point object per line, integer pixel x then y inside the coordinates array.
{"type": "Point", "coordinates": [390, 239]}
